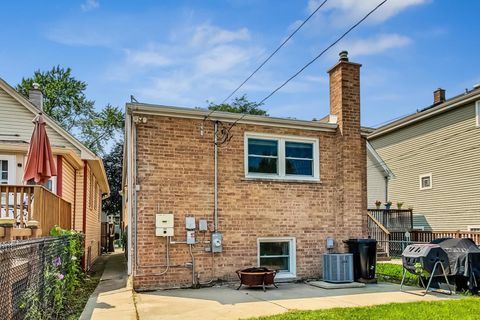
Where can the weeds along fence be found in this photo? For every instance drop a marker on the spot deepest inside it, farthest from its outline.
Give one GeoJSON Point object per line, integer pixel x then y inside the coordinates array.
{"type": "Point", "coordinates": [34, 275]}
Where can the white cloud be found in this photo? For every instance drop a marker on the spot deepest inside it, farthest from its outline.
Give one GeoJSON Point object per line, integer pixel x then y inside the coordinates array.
{"type": "Point", "coordinates": [148, 58]}
{"type": "Point", "coordinates": [351, 10]}
{"type": "Point", "coordinates": [376, 44]}
{"type": "Point", "coordinates": [89, 5]}
{"type": "Point", "coordinates": [222, 59]}
{"type": "Point", "coordinates": [210, 35]}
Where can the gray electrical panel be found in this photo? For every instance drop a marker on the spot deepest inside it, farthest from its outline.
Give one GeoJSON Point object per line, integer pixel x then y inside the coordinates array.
{"type": "Point", "coordinates": [202, 225]}
{"type": "Point", "coordinates": [217, 243]}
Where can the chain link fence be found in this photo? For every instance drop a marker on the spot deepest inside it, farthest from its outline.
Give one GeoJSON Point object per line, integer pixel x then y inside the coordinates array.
{"type": "Point", "coordinates": [29, 270]}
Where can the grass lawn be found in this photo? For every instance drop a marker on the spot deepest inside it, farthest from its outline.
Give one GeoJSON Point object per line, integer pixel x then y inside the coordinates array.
{"type": "Point", "coordinates": [464, 309]}
{"type": "Point", "coordinates": [393, 273]}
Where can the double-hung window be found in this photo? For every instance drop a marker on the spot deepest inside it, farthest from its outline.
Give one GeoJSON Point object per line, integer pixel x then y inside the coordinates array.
{"type": "Point", "coordinates": [281, 157]}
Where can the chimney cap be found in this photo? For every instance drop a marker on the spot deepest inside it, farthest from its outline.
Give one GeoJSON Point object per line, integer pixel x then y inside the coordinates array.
{"type": "Point", "coordinates": [36, 86]}
{"type": "Point", "coordinates": [343, 55]}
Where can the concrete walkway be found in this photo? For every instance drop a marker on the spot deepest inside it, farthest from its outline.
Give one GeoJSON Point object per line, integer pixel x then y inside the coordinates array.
{"type": "Point", "coordinates": [227, 303]}
{"type": "Point", "coordinates": [113, 297]}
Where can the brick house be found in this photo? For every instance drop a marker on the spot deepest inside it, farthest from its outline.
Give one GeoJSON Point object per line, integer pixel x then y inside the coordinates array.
{"type": "Point", "coordinates": [281, 188]}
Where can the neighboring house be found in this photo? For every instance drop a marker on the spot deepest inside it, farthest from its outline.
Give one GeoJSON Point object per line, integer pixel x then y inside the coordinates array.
{"type": "Point", "coordinates": [81, 180]}
{"type": "Point", "coordinates": [433, 161]}
{"type": "Point", "coordinates": [284, 187]}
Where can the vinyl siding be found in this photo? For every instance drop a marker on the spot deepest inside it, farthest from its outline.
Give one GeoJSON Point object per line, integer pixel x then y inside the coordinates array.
{"type": "Point", "coordinates": [16, 119]}
{"type": "Point", "coordinates": [92, 235]}
{"type": "Point", "coordinates": [448, 147]}
{"type": "Point", "coordinates": [375, 182]}
{"type": "Point", "coordinates": [68, 185]}
{"type": "Point", "coordinates": [78, 222]}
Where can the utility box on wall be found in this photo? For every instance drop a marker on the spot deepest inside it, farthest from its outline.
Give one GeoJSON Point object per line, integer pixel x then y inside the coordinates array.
{"type": "Point", "coordinates": [164, 224]}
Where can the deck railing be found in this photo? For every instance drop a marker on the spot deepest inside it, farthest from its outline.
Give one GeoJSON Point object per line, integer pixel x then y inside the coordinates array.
{"type": "Point", "coordinates": [427, 236]}
{"type": "Point", "coordinates": [34, 209]}
{"type": "Point", "coordinates": [394, 219]}
{"type": "Point", "coordinates": [377, 231]}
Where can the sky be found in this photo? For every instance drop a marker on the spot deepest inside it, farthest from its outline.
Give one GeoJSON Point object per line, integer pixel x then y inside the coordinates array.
{"type": "Point", "coordinates": [189, 53]}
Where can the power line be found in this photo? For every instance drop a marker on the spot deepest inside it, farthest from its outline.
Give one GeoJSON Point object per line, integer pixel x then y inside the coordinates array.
{"type": "Point", "coordinates": [276, 50]}
{"type": "Point", "coordinates": [272, 54]}
{"type": "Point", "coordinates": [315, 59]}
{"type": "Point", "coordinates": [405, 156]}
{"type": "Point", "coordinates": [325, 50]}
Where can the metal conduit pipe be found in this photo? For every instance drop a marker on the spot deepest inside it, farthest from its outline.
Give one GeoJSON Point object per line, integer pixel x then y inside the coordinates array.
{"type": "Point", "coordinates": [215, 170]}
{"type": "Point", "coordinates": [194, 281]}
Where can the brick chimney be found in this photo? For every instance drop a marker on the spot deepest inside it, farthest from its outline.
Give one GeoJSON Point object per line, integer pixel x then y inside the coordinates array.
{"type": "Point", "coordinates": [345, 94]}
{"type": "Point", "coordinates": [35, 96]}
{"type": "Point", "coordinates": [351, 157]}
{"type": "Point", "coordinates": [438, 96]}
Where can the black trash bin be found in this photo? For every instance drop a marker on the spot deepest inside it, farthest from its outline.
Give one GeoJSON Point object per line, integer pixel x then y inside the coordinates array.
{"type": "Point", "coordinates": [364, 259]}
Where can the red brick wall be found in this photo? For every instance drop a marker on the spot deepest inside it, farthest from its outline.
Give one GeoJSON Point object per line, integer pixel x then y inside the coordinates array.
{"type": "Point", "coordinates": [175, 173]}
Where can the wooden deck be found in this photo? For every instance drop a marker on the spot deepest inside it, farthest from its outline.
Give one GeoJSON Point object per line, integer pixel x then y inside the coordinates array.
{"type": "Point", "coordinates": [31, 211]}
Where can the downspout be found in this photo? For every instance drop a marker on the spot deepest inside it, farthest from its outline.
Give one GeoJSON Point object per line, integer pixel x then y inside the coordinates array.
{"type": "Point", "coordinates": [215, 170]}
{"type": "Point", "coordinates": [129, 191]}
{"type": "Point", "coordinates": [386, 188]}
{"type": "Point", "coordinates": [84, 222]}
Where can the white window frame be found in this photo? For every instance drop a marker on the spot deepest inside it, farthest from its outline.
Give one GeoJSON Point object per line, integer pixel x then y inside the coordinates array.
{"type": "Point", "coordinates": [427, 175]}
{"type": "Point", "coordinates": [469, 228]}
{"type": "Point", "coordinates": [12, 165]}
{"type": "Point", "coordinates": [281, 175]}
{"type": "Point", "coordinates": [54, 185]}
{"type": "Point", "coordinates": [477, 113]}
{"type": "Point", "coordinates": [292, 255]}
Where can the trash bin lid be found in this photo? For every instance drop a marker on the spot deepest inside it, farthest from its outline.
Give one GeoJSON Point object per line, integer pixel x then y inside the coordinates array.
{"type": "Point", "coordinates": [362, 240]}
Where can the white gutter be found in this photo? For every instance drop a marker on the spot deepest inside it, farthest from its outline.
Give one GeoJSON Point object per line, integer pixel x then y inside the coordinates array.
{"type": "Point", "coordinates": [379, 160]}
{"type": "Point", "coordinates": [200, 114]}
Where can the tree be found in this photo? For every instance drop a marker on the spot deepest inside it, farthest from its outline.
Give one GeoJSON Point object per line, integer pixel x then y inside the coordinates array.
{"type": "Point", "coordinates": [65, 101]}
{"type": "Point", "coordinates": [113, 162]}
{"type": "Point", "coordinates": [239, 105]}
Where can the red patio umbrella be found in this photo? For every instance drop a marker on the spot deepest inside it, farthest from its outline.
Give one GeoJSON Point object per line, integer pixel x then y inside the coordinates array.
{"type": "Point", "coordinates": [40, 165]}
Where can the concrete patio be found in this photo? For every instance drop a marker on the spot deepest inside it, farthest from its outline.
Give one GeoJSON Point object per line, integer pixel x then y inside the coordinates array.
{"type": "Point", "coordinates": [224, 302]}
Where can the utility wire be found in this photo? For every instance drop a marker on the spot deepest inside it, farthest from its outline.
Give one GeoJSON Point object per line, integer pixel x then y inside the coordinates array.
{"type": "Point", "coordinates": [272, 54]}
{"type": "Point", "coordinates": [315, 59]}
{"type": "Point", "coordinates": [325, 50]}
{"type": "Point", "coordinates": [276, 50]}
{"type": "Point", "coordinates": [405, 156]}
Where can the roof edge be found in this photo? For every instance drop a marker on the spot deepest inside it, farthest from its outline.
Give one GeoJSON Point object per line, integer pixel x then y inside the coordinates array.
{"type": "Point", "coordinates": [422, 115]}
{"type": "Point", "coordinates": [182, 112]}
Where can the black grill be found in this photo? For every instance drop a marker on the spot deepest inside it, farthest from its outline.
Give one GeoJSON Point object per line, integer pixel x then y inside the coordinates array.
{"type": "Point", "coordinates": [425, 256]}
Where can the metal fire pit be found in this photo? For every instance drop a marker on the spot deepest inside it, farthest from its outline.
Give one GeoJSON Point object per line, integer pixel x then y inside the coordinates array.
{"type": "Point", "coordinates": [257, 276]}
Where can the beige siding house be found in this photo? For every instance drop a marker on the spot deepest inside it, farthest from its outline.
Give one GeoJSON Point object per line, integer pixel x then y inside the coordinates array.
{"type": "Point", "coordinates": [81, 180]}
{"type": "Point", "coordinates": [434, 155]}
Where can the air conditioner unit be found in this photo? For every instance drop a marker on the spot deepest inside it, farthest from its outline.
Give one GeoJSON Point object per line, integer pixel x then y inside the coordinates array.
{"type": "Point", "coordinates": [338, 267]}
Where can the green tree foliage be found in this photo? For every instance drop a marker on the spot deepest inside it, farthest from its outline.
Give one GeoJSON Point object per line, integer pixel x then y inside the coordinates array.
{"type": "Point", "coordinates": [113, 162]}
{"type": "Point", "coordinates": [66, 102]}
{"type": "Point", "coordinates": [239, 105]}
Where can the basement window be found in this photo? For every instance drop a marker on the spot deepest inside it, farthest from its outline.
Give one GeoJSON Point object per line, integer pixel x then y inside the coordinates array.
{"type": "Point", "coordinates": [426, 181]}
{"type": "Point", "coordinates": [278, 254]}
{"type": "Point", "coordinates": [281, 157]}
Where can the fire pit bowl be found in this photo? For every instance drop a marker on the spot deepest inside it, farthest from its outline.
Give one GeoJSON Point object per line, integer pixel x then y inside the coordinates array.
{"type": "Point", "coordinates": [257, 276]}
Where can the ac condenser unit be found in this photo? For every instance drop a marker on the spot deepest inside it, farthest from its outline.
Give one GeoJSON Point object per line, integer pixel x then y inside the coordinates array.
{"type": "Point", "coordinates": [338, 267]}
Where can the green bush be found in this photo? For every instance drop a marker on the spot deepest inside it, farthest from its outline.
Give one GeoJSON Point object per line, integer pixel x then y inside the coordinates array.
{"type": "Point", "coordinates": [61, 277]}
